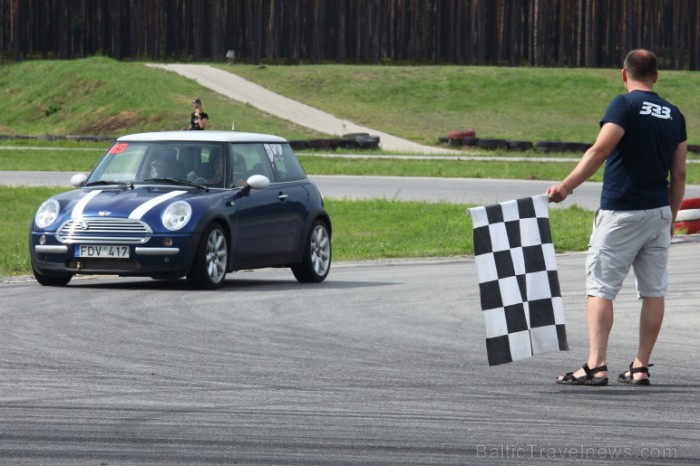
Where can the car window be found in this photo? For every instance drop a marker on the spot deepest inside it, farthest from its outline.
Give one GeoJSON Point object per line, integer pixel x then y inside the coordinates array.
{"type": "Point", "coordinates": [163, 161]}
{"type": "Point", "coordinates": [284, 162]}
{"type": "Point", "coordinates": [139, 161]}
{"type": "Point", "coordinates": [206, 163]}
{"type": "Point", "coordinates": [249, 159]}
{"type": "Point", "coordinates": [121, 162]}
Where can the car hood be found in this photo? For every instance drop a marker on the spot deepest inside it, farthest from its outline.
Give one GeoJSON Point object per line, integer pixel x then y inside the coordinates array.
{"type": "Point", "coordinates": [128, 203]}
{"type": "Point", "coordinates": [145, 203]}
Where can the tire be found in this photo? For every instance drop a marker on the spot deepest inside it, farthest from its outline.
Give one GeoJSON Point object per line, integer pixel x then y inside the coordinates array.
{"type": "Point", "coordinates": [691, 227]}
{"type": "Point", "coordinates": [367, 142]}
{"type": "Point", "coordinates": [688, 215]}
{"type": "Point", "coordinates": [353, 136]}
{"type": "Point", "coordinates": [316, 261]}
{"type": "Point", "coordinates": [343, 143]}
{"type": "Point", "coordinates": [492, 144]}
{"type": "Point", "coordinates": [211, 260]}
{"type": "Point", "coordinates": [575, 147]}
{"type": "Point", "coordinates": [51, 280]}
{"type": "Point", "coordinates": [471, 142]}
{"type": "Point", "coordinates": [690, 203]}
{"type": "Point", "coordinates": [520, 145]}
{"type": "Point", "coordinates": [549, 146]}
{"type": "Point", "coordinates": [297, 145]}
{"type": "Point", "coordinates": [321, 144]}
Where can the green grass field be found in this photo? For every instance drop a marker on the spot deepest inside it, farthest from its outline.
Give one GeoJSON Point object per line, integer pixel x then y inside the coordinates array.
{"type": "Point", "coordinates": [101, 96]}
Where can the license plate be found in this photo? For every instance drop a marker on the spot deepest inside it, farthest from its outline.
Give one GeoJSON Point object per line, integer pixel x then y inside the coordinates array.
{"type": "Point", "coordinates": [105, 251]}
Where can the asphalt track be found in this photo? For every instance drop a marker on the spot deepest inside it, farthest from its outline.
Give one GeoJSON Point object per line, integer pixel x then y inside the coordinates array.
{"type": "Point", "coordinates": [384, 363]}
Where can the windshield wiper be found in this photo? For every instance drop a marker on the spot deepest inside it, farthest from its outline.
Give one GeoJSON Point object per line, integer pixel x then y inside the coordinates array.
{"type": "Point", "coordinates": [176, 181]}
{"type": "Point", "coordinates": [127, 184]}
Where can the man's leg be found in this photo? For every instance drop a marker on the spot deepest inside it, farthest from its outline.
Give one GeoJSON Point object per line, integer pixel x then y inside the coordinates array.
{"type": "Point", "coordinates": [600, 322]}
{"type": "Point", "coordinates": [650, 321]}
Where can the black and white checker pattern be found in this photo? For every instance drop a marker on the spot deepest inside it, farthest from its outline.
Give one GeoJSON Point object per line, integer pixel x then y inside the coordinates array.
{"type": "Point", "coordinates": [518, 279]}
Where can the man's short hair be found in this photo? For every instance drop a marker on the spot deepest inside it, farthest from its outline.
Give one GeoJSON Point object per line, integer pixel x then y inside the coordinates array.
{"type": "Point", "coordinates": [640, 65]}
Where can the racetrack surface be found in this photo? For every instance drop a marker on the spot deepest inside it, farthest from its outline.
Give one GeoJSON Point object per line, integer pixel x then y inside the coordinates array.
{"type": "Point", "coordinates": [384, 363]}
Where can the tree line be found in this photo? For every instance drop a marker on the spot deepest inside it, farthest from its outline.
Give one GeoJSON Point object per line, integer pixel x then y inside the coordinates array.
{"type": "Point", "coordinates": [571, 33]}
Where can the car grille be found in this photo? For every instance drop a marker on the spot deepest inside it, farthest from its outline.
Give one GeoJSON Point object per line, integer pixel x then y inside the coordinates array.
{"type": "Point", "coordinates": [104, 231]}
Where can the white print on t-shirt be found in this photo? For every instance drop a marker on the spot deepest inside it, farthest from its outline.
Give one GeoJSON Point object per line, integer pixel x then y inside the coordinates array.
{"type": "Point", "coordinates": [655, 110]}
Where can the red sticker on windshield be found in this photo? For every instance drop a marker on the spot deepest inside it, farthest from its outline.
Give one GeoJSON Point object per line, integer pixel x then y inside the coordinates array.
{"type": "Point", "coordinates": [118, 148]}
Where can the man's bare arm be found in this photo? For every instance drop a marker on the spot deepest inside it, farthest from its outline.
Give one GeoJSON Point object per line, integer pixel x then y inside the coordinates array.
{"type": "Point", "coordinates": [608, 137]}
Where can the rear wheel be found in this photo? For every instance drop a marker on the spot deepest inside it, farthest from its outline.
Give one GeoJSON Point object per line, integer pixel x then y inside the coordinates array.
{"type": "Point", "coordinates": [51, 280]}
{"type": "Point", "coordinates": [316, 262]}
{"type": "Point", "coordinates": [209, 266]}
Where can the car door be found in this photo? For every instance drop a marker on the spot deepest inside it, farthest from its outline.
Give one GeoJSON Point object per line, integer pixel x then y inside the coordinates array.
{"type": "Point", "coordinates": [262, 216]}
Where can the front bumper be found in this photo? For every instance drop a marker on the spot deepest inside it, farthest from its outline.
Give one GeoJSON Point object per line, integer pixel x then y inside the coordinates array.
{"type": "Point", "coordinates": [49, 256]}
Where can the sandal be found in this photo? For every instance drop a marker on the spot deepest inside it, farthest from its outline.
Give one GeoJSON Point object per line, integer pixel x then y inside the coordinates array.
{"type": "Point", "coordinates": [586, 379]}
{"type": "Point", "coordinates": [629, 378]}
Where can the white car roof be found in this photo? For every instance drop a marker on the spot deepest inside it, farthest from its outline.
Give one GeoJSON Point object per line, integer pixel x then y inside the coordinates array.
{"type": "Point", "coordinates": [202, 136]}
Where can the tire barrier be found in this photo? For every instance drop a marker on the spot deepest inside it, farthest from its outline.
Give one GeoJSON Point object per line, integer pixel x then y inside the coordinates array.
{"type": "Point", "coordinates": [456, 138]}
{"type": "Point", "coordinates": [347, 141]}
{"type": "Point", "coordinates": [688, 217]}
{"type": "Point", "coordinates": [492, 144]}
{"type": "Point", "coordinates": [471, 142]}
{"type": "Point", "coordinates": [549, 146]}
{"type": "Point", "coordinates": [520, 145]}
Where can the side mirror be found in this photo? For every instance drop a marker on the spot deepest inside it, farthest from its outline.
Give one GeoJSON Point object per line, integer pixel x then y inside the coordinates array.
{"type": "Point", "coordinates": [78, 179]}
{"type": "Point", "coordinates": [258, 181]}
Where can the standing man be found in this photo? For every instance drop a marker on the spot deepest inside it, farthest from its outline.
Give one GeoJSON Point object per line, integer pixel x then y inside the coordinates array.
{"type": "Point", "coordinates": [642, 140]}
{"type": "Point", "coordinates": [198, 119]}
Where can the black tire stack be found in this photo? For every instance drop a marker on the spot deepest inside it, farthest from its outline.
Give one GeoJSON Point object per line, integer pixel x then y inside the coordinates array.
{"type": "Point", "coordinates": [467, 137]}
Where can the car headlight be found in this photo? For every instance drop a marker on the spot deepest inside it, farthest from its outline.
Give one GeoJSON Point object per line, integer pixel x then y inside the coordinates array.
{"type": "Point", "coordinates": [47, 213]}
{"type": "Point", "coordinates": [177, 215]}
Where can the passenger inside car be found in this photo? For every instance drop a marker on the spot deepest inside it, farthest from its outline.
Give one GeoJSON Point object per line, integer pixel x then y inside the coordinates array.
{"type": "Point", "coordinates": [165, 164]}
{"type": "Point", "coordinates": [240, 170]}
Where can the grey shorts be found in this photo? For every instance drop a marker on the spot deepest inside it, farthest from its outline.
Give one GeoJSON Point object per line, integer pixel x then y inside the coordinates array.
{"type": "Point", "coordinates": [624, 239]}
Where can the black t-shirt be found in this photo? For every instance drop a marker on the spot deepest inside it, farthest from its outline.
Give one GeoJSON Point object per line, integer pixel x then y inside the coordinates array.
{"type": "Point", "coordinates": [194, 123]}
{"type": "Point", "coordinates": [636, 172]}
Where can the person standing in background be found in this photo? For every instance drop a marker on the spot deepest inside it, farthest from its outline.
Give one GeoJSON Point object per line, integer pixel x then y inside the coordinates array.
{"type": "Point", "coordinates": [198, 119]}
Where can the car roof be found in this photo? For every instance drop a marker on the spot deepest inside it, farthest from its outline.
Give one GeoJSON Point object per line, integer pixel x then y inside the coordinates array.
{"type": "Point", "coordinates": [202, 136]}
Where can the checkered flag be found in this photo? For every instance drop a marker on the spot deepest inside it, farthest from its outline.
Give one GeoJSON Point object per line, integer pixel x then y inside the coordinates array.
{"type": "Point", "coordinates": [518, 280]}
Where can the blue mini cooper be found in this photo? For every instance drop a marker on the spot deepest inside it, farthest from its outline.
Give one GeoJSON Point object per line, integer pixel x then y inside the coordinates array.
{"type": "Point", "coordinates": [195, 204]}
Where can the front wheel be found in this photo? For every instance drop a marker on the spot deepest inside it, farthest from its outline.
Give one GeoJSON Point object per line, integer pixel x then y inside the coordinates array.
{"type": "Point", "coordinates": [210, 261]}
{"type": "Point", "coordinates": [51, 280]}
{"type": "Point", "coordinates": [316, 262]}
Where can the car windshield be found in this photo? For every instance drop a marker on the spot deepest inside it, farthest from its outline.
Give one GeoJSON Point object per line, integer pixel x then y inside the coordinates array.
{"type": "Point", "coordinates": [199, 163]}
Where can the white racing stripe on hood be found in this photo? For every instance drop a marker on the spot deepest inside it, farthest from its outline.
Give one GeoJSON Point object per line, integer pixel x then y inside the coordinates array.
{"type": "Point", "coordinates": [141, 210]}
{"type": "Point", "coordinates": [80, 206]}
